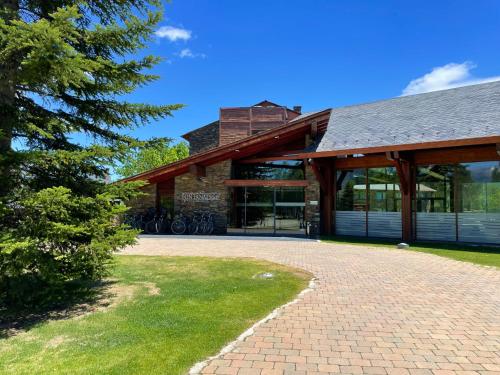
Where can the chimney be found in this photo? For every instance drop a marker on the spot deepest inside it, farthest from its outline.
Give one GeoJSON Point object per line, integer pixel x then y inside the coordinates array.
{"type": "Point", "coordinates": [297, 108]}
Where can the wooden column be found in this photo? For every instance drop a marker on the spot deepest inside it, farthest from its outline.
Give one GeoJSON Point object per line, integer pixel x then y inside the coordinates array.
{"type": "Point", "coordinates": [406, 201]}
{"type": "Point", "coordinates": [404, 167]}
{"type": "Point", "coordinates": [328, 199]}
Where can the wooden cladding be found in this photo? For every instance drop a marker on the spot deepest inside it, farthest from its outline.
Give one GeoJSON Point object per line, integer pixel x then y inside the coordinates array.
{"type": "Point", "coordinates": [238, 123]}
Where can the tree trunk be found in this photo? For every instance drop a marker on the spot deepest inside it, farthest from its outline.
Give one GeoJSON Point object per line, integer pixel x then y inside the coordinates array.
{"type": "Point", "coordinates": [8, 112]}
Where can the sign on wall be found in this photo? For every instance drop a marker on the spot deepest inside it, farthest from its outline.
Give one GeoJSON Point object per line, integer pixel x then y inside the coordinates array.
{"type": "Point", "coordinates": [200, 197]}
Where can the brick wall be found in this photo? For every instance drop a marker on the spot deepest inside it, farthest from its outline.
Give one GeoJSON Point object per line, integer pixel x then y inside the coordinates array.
{"type": "Point", "coordinates": [212, 183]}
{"type": "Point", "coordinates": [204, 138]}
{"type": "Point", "coordinates": [141, 204]}
{"type": "Point", "coordinates": [312, 193]}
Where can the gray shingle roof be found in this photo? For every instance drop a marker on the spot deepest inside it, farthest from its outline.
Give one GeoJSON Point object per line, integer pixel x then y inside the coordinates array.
{"type": "Point", "coordinates": [460, 113]}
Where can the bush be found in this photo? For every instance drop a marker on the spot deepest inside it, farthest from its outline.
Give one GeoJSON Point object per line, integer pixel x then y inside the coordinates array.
{"type": "Point", "coordinates": [59, 237]}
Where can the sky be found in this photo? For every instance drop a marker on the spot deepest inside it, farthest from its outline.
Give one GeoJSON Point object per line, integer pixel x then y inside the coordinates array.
{"type": "Point", "coordinates": [317, 53]}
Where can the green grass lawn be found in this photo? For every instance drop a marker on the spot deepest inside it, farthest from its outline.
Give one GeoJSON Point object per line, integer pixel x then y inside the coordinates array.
{"type": "Point", "coordinates": [485, 255]}
{"type": "Point", "coordinates": [166, 313]}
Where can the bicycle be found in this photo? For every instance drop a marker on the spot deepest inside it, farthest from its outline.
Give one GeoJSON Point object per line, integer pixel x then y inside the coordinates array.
{"type": "Point", "coordinates": [157, 224]}
{"type": "Point", "coordinates": [194, 226]}
{"type": "Point", "coordinates": [206, 226]}
{"type": "Point", "coordinates": [179, 224]}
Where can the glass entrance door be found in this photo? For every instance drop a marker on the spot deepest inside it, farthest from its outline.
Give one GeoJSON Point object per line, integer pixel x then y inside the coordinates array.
{"type": "Point", "coordinates": [290, 210]}
{"type": "Point", "coordinates": [259, 210]}
{"type": "Point", "coordinates": [267, 210]}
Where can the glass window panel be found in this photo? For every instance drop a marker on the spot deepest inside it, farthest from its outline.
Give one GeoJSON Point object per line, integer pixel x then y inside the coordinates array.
{"type": "Point", "coordinates": [276, 170]}
{"type": "Point", "coordinates": [383, 190]}
{"type": "Point", "coordinates": [290, 194]}
{"type": "Point", "coordinates": [435, 188]}
{"type": "Point", "coordinates": [479, 187]}
{"type": "Point", "coordinates": [351, 190]}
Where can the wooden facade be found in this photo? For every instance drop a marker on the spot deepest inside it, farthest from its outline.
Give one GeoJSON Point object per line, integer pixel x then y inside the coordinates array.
{"type": "Point", "coordinates": [241, 122]}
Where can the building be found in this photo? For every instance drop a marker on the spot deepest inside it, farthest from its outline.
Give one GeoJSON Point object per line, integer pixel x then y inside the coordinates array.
{"type": "Point", "coordinates": [421, 167]}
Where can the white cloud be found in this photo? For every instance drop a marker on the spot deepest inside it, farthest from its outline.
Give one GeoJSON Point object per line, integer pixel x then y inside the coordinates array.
{"type": "Point", "coordinates": [187, 53]}
{"type": "Point", "coordinates": [446, 77]}
{"type": "Point", "coordinates": [173, 33]}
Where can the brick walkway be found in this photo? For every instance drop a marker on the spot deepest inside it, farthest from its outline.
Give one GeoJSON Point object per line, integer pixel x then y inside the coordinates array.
{"type": "Point", "coordinates": [374, 311]}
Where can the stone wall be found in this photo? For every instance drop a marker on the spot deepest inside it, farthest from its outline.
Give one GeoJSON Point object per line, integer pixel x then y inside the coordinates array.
{"type": "Point", "coordinates": [204, 138]}
{"type": "Point", "coordinates": [312, 194]}
{"type": "Point", "coordinates": [212, 183]}
{"type": "Point", "coordinates": [141, 204]}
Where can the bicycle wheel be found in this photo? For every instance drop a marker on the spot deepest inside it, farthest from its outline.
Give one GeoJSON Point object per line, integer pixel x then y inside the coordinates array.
{"type": "Point", "coordinates": [193, 228]}
{"type": "Point", "coordinates": [150, 227]}
{"type": "Point", "coordinates": [178, 227]}
{"type": "Point", "coordinates": [210, 228]}
{"type": "Point", "coordinates": [202, 228]}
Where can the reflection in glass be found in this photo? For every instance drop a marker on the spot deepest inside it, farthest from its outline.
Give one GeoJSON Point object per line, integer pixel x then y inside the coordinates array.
{"type": "Point", "coordinates": [268, 210]}
{"type": "Point", "coordinates": [275, 170]}
{"type": "Point", "coordinates": [479, 187]}
{"type": "Point", "coordinates": [383, 187]}
{"type": "Point", "coordinates": [435, 191]}
{"type": "Point", "coordinates": [351, 193]}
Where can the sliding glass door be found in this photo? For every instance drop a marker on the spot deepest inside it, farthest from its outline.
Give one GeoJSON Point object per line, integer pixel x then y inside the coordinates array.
{"type": "Point", "coordinates": [267, 210]}
{"type": "Point", "coordinates": [258, 210]}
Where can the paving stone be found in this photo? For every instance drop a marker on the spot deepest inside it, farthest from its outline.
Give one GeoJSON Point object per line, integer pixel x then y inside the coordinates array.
{"type": "Point", "coordinates": [373, 311]}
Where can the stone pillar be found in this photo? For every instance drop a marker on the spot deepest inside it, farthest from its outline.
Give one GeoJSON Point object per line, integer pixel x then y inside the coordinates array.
{"type": "Point", "coordinates": [312, 198]}
{"type": "Point", "coordinates": [217, 201]}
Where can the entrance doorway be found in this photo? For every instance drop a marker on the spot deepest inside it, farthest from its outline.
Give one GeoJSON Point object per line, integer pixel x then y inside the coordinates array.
{"type": "Point", "coordinates": [268, 210]}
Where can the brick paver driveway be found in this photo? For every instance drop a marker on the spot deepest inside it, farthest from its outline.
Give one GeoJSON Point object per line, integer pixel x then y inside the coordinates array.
{"type": "Point", "coordinates": [374, 311]}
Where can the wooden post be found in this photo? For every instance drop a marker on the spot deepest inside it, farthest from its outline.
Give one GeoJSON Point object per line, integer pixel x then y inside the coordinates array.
{"type": "Point", "coordinates": [406, 200]}
{"type": "Point", "coordinates": [328, 200]}
{"type": "Point", "coordinates": [404, 168]}
{"type": "Point", "coordinates": [334, 195]}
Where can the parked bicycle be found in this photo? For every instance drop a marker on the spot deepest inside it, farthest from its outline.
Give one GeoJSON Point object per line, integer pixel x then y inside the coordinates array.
{"type": "Point", "coordinates": [179, 224]}
{"type": "Point", "coordinates": [158, 224]}
{"type": "Point", "coordinates": [201, 223]}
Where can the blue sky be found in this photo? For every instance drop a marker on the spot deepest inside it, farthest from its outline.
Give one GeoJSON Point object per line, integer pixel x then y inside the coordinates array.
{"type": "Point", "coordinates": [317, 54]}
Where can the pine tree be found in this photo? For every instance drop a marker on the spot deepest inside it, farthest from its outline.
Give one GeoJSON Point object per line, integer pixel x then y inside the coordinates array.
{"type": "Point", "coordinates": [65, 66]}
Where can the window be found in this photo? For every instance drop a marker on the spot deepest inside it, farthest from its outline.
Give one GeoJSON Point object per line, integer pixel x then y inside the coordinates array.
{"type": "Point", "coordinates": [479, 187]}
{"type": "Point", "coordinates": [276, 170]}
{"type": "Point", "coordinates": [351, 195]}
{"type": "Point", "coordinates": [435, 188]}
{"type": "Point", "coordinates": [383, 188]}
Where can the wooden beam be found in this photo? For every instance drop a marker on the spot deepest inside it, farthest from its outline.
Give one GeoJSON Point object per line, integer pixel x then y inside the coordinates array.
{"type": "Point", "coordinates": [406, 147]}
{"type": "Point", "coordinates": [314, 129]}
{"type": "Point", "coordinates": [198, 170]}
{"type": "Point", "coordinates": [457, 155]}
{"type": "Point", "coordinates": [406, 171]}
{"type": "Point", "coordinates": [334, 195]}
{"type": "Point", "coordinates": [369, 161]}
{"type": "Point", "coordinates": [299, 183]}
{"type": "Point", "coordinates": [328, 200]}
{"type": "Point", "coordinates": [319, 177]}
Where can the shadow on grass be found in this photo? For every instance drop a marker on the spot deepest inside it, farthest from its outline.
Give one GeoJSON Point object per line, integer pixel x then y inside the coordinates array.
{"type": "Point", "coordinates": [68, 301]}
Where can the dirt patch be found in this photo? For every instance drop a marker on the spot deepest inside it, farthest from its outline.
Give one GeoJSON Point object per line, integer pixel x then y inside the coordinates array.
{"type": "Point", "coordinates": [108, 295]}
{"type": "Point", "coordinates": [56, 341]}
{"type": "Point", "coordinates": [152, 288]}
